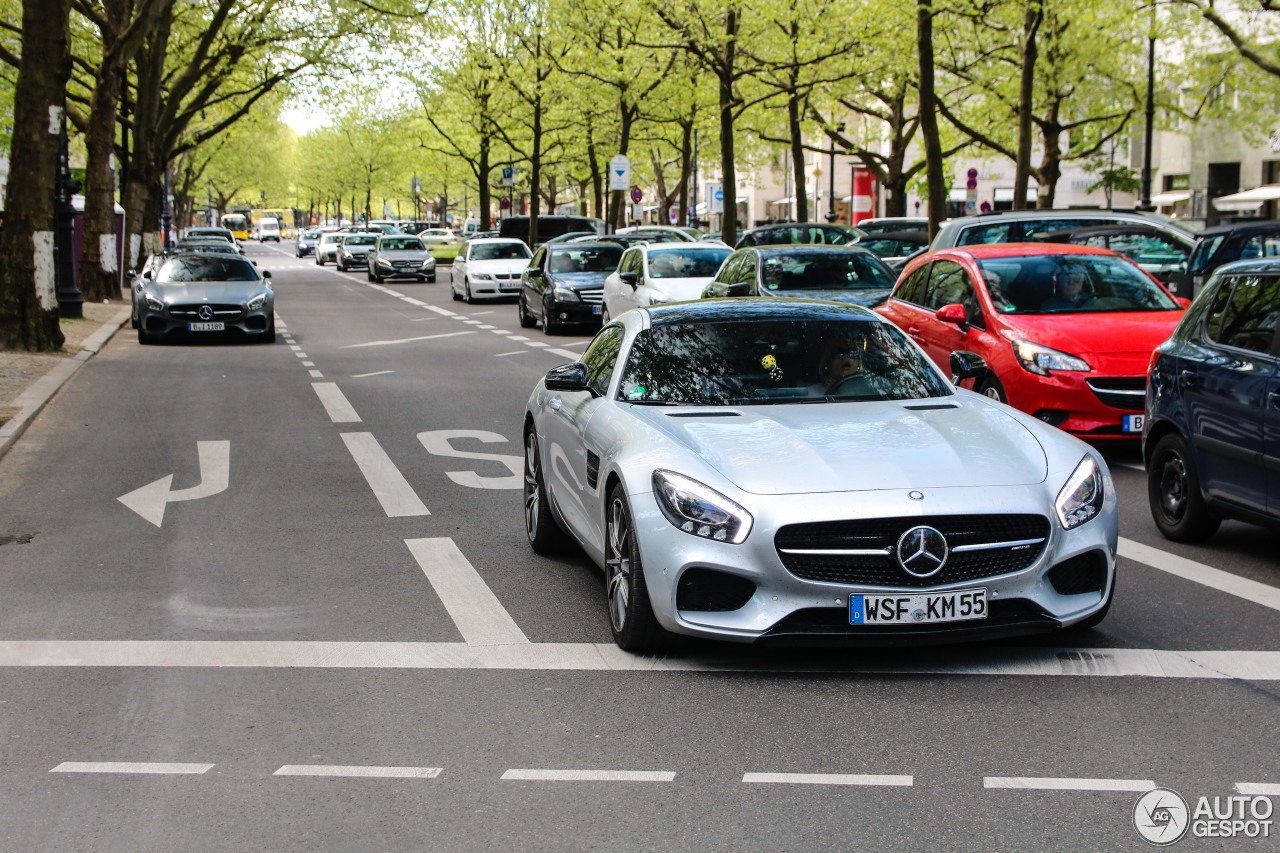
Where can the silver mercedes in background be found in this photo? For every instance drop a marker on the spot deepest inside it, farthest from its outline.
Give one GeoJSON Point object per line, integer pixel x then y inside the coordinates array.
{"type": "Point", "coordinates": [400, 256]}
{"type": "Point", "coordinates": [797, 471]}
{"type": "Point", "coordinates": [204, 294]}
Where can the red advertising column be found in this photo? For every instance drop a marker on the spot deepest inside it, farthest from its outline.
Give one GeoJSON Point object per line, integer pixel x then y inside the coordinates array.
{"type": "Point", "coordinates": [864, 195]}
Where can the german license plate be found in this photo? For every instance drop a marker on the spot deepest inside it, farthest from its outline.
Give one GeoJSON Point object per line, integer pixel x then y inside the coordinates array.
{"type": "Point", "coordinates": [1132, 423]}
{"type": "Point", "coordinates": [508, 285]}
{"type": "Point", "coordinates": [206, 327]}
{"type": "Point", "coordinates": [918, 608]}
{"type": "Point", "coordinates": [595, 309]}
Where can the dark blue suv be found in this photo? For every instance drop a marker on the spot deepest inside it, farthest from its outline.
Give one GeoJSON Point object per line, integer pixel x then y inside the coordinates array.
{"type": "Point", "coordinates": [1211, 440]}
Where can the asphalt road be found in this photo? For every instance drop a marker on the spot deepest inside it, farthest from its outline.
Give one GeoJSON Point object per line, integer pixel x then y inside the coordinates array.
{"type": "Point", "coordinates": [327, 632]}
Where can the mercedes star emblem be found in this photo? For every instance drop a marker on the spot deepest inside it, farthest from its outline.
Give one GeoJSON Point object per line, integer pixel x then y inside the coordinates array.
{"type": "Point", "coordinates": [922, 551]}
{"type": "Point", "coordinates": [205, 312]}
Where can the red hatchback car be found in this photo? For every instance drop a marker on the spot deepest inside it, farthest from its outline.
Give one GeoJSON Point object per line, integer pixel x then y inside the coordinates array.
{"type": "Point", "coordinates": [1067, 331]}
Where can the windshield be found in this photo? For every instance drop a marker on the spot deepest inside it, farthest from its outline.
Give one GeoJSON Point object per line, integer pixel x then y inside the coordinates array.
{"type": "Point", "coordinates": [206, 268]}
{"type": "Point", "coordinates": [359, 240]}
{"type": "Point", "coordinates": [809, 270]}
{"type": "Point", "coordinates": [402, 244]}
{"type": "Point", "coordinates": [1071, 284]}
{"type": "Point", "coordinates": [745, 362]}
{"type": "Point", "coordinates": [499, 251]}
{"type": "Point", "coordinates": [588, 259]}
{"type": "Point", "coordinates": [310, 235]}
{"type": "Point", "coordinates": [702, 262]}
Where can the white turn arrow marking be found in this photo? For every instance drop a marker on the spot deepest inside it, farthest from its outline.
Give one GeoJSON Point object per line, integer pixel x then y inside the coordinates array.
{"type": "Point", "coordinates": [215, 472]}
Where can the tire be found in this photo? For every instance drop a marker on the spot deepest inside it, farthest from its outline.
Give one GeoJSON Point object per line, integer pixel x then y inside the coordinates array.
{"type": "Point", "coordinates": [457, 297]}
{"type": "Point", "coordinates": [631, 618]}
{"type": "Point", "coordinates": [431, 278]}
{"type": "Point", "coordinates": [420, 279]}
{"type": "Point", "coordinates": [526, 322]}
{"type": "Point", "coordinates": [990, 387]}
{"type": "Point", "coordinates": [1173, 491]}
{"type": "Point", "coordinates": [319, 261]}
{"type": "Point", "coordinates": [270, 336]}
{"type": "Point", "coordinates": [545, 535]}
{"type": "Point", "coordinates": [604, 315]}
{"type": "Point", "coordinates": [467, 297]}
{"type": "Point", "coordinates": [144, 338]}
{"type": "Point", "coordinates": [342, 267]}
{"type": "Point", "coordinates": [549, 325]}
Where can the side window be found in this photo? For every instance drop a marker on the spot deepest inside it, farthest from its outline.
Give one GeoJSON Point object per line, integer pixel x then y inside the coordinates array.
{"type": "Point", "coordinates": [948, 284]}
{"type": "Point", "coordinates": [1203, 252]}
{"type": "Point", "coordinates": [729, 271]}
{"type": "Point", "coordinates": [465, 251]}
{"type": "Point", "coordinates": [996, 232]}
{"type": "Point", "coordinates": [912, 290]}
{"type": "Point", "coordinates": [538, 257]}
{"type": "Point", "coordinates": [1246, 319]}
{"type": "Point", "coordinates": [1260, 246]}
{"type": "Point", "coordinates": [746, 272]}
{"type": "Point", "coordinates": [601, 356]}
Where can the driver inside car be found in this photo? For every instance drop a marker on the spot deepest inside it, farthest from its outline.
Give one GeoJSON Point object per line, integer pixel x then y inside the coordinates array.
{"type": "Point", "coordinates": [841, 367]}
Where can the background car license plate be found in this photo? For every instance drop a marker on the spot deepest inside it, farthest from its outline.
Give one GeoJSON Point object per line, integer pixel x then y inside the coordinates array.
{"type": "Point", "coordinates": [1132, 423]}
{"type": "Point", "coordinates": [595, 309]}
{"type": "Point", "coordinates": [206, 327]}
{"type": "Point", "coordinates": [918, 608]}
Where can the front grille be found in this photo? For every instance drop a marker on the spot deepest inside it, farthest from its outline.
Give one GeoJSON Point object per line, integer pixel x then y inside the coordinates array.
{"type": "Point", "coordinates": [1128, 394]}
{"type": "Point", "coordinates": [506, 276]}
{"type": "Point", "coordinates": [710, 591]}
{"type": "Point", "coordinates": [1082, 573]}
{"type": "Point", "coordinates": [220, 312]}
{"type": "Point", "coordinates": [879, 536]}
{"type": "Point", "coordinates": [592, 295]}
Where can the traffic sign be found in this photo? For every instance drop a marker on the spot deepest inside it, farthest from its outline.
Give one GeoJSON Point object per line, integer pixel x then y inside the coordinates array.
{"type": "Point", "coordinates": [972, 174]}
{"type": "Point", "coordinates": [508, 176]}
{"type": "Point", "coordinates": [972, 184]}
{"type": "Point", "coordinates": [715, 197]}
{"type": "Point", "coordinates": [504, 203]}
{"type": "Point", "coordinates": [619, 173]}
{"type": "Point", "coordinates": [637, 195]}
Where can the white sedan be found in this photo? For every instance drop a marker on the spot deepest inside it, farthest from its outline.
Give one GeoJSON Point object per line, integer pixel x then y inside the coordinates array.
{"type": "Point", "coordinates": [439, 237]}
{"type": "Point", "coordinates": [488, 268]}
{"type": "Point", "coordinates": [661, 272]}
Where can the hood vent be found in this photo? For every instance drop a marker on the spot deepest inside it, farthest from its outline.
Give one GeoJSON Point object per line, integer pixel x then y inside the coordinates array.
{"type": "Point", "coordinates": [711, 414]}
{"type": "Point", "coordinates": [930, 407]}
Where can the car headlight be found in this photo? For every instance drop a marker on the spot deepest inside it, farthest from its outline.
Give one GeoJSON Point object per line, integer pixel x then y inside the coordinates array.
{"type": "Point", "coordinates": [482, 276]}
{"type": "Point", "coordinates": [257, 302]}
{"type": "Point", "coordinates": [656, 296]}
{"type": "Point", "coordinates": [700, 510]}
{"type": "Point", "coordinates": [1081, 498]}
{"type": "Point", "coordinates": [382, 262]}
{"type": "Point", "coordinates": [564, 294]}
{"type": "Point", "coordinates": [153, 303]}
{"type": "Point", "coordinates": [1039, 359]}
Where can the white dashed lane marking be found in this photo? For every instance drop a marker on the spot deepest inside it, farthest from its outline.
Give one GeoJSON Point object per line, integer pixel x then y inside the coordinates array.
{"type": "Point", "coordinates": [335, 403]}
{"type": "Point", "coordinates": [869, 780]}
{"type": "Point", "coordinates": [397, 497]}
{"type": "Point", "coordinates": [1258, 789]}
{"type": "Point", "coordinates": [150, 767]}
{"type": "Point", "coordinates": [521, 775]}
{"type": "Point", "coordinates": [350, 771]}
{"type": "Point", "coordinates": [475, 610]}
{"type": "Point", "coordinates": [1052, 783]}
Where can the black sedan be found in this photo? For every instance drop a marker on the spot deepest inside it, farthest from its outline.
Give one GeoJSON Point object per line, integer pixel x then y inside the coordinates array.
{"type": "Point", "coordinates": [836, 273]}
{"type": "Point", "coordinates": [564, 284]}
{"type": "Point", "coordinates": [792, 233]}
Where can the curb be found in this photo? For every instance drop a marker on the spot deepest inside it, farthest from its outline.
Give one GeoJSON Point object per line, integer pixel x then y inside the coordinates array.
{"type": "Point", "coordinates": [37, 396]}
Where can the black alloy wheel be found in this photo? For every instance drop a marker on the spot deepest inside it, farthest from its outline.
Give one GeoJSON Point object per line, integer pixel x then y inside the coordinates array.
{"type": "Point", "coordinates": [1173, 491]}
{"type": "Point", "coordinates": [631, 618]}
{"type": "Point", "coordinates": [545, 535]}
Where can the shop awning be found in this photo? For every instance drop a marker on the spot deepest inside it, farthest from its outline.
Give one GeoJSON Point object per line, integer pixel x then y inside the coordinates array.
{"type": "Point", "coordinates": [1006, 194]}
{"type": "Point", "coordinates": [787, 200]}
{"type": "Point", "coordinates": [1171, 197]}
{"type": "Point", "coordinates": [1249, 200]}
{"type": "Point", "coordinates": [958, 195]}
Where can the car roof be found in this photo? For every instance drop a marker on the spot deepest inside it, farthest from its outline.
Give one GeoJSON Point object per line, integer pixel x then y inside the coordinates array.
{"type": "Point", "coordinates": [496, 240]}
{"type": "Point", "coordinates": [1019, 250]}
{"type": "Point", "coordinates": [1253, 227]}
{"type": "Point", "coordinates": [1254, 266]}
{"type": "Point", "coordinates": [733, 309]}
{"type": "Point", "coordinates": [787, 248]}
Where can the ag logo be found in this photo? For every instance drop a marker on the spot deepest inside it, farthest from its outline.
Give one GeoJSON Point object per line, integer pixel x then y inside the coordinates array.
{"type": "Point", "coordinates": [1161, 816]}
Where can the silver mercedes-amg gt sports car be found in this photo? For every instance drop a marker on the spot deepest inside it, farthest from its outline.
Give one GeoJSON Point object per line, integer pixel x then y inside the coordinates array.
{"type": "Point", "coordinates": [800, 471]}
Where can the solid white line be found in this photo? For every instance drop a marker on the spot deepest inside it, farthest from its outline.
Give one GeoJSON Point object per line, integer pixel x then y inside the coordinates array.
{"type": "Point", "coordinates": [392, 490]}
{"type": "Point", "coordinates": [443, 311]}
{"type": "Point", "coordinates": [828, 779]}
{"type": "Point", "coordinates": [375, 373]}
{"type": "Point", "coordinates": [315, 374]}
{"type": "Point", "coordinates": [1037, 783]}
{"type": "Point", "coordinates": [517, 352]}
{"type": "Point", "coordinates": [1250, 590]}
{"type": "Point", "coordinates": [589, 775]}
{"type": "Point", "coordinates": [358, 772]}
{"type": "Point", "coordinates": [480, 617]}
{"type": "Point", "coordinates": [335, 403]}
{"type": "Point", "coordinates": [607, 657]}
{"type": "Point", "coordinates": [566, 353]}
{"type": "Point", "coordinates": [130, 767]}
{"type": "Point", "coordinates": [407, 340]}
{"type": "Point", "coordinates": [1258, 789]}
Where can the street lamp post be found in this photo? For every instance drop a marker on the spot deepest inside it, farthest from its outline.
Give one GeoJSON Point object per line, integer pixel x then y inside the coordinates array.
{"type": "Point", "coordinates": [1151, 115]}
{"type": "Point", "coordinates": [831, 177]}
{"type": "Point", "coordinates": [70, 300]}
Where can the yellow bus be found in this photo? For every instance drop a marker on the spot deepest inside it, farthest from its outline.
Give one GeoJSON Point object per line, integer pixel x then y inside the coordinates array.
{"type": "Point", "coordinates": [237, 224]}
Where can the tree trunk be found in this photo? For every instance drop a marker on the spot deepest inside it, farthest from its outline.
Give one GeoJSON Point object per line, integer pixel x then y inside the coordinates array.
{"type": "Point", "coordinates": [729, 177]}
{"type": "Point", "coordinates": [482, 181]}
{"type": "Point", "coordinates": [28, 298]}
{"type": "Point", "coordinates": [535, 170]}
{"type": "Point", "coordinates": [597, 183]}
{"type": "Point", "coordinates": [686, 168]}
{"type": "Point", "coordinates": [142, 197]}
{"type": "Point", "coordinates": [929, 119]}
{"type": "Point", "coordinates": [617, 198]}
{"type": "Point", "coordinates": [797, 155]}
{"type": "Point", "coordinates": [100, 267]}
{"type": "Point", "coordinates": [1026, 102]}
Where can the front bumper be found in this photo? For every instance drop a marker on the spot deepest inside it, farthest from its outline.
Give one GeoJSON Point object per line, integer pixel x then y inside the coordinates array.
{"type": "Point", "coordinates": [784, 608]}
{"type": "Point", "coordinates": [176, 320]}
{"type": "Point", "coordinates": [576, 312]}
{"type": "Point", "coordinates": [1089, 406]}
{"type": "Point", "coordinates": [427, 269]}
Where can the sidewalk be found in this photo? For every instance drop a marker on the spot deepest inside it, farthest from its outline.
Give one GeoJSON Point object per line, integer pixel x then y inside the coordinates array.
{"type": "Point", "coordinates": [29, 380]}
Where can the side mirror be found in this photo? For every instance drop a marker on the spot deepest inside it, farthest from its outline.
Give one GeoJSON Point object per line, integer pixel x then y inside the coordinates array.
{"type": "Point", "coordinates": [255, 263]}
{"type": "Point", "coordinates": [954, 313]}
{"type": "Point", "coordinates": [567, 377]}
{"type": "Point", "coordinates": [534, 272]}
{"type": "Point", "coordinates": [739, 288]}
{"type": "Point", "coordinates": [967, 365]}
{"type": "Point", "coordinates": [630, 278]}
{"type": "Point", "coordinates": [147, 275]}
{"type": "Point", "coordinates": [266, 274]}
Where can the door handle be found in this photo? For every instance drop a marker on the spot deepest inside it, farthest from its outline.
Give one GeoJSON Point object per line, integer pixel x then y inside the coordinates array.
{"type": "Point", "coordinates": [1190, 378]}
{"type": "Point", "coordinates": [1274, 397]}
{"type": "Point", "coordinates": [913, 330]}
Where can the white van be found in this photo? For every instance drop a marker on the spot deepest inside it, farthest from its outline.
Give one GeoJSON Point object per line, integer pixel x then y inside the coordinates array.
{"type": "Point", "coordinates": [470, 227]}
{"type": "Point", "coordinates": [266, 229]}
